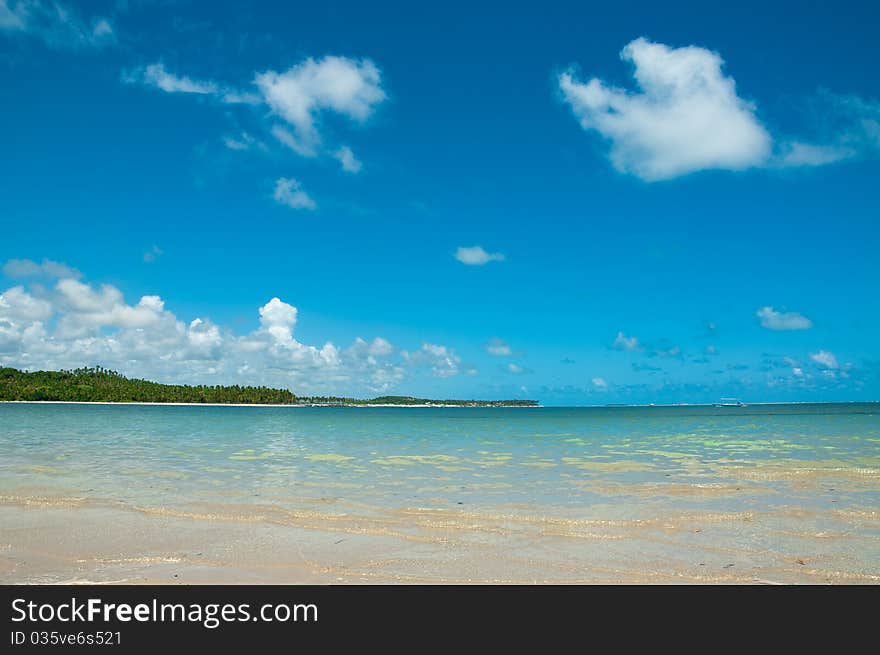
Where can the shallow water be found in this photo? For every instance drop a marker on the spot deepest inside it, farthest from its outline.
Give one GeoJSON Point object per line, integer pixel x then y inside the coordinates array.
{"type": "Point", "coordinates": [766, 479]}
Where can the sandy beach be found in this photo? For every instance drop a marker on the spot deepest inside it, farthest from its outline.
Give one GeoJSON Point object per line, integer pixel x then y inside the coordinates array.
{"type": "Point", "coordinates": [69, 540]}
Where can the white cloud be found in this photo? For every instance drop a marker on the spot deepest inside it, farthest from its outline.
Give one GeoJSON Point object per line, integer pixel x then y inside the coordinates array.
{"type": "Point", "coordinates": [278, 320]}
{"type": "Point", "coordinates": [498, 348]}
{"type": "Point", "coordinates": [442, 360]}
{"type": "Point", "coordinates": [56, 24]}
{"type": "Point", "coordinates": [774, 320]}
{"type": "Point", "coordinates": [156, 75]}
{"type": "Point", "coordinates": [516, 369]}
{"type": "Point", "coordinates": [378, 347]}
{"type": "Point", "coordinates": [476, 256]}
{"type": "Point", "coordinates": [600, 383]}
{"type": "Point", "coordinates": [204, 339]}
{"type": "Point", "coordinates": [18, 268]}
{"type": "Point", "coordinates": [796, 153]}
{"type": "Point", "coordinates": [686, 117]}
{"type": "Point", "coordinates": [85, 307]}
{"type": "Point", "coordinates": [350, 163]}
{"type": "Point", "coordinates": [16, 303]}
{"type": "Point", "coordinates": [289, 192]}
{"type": "Point", "coordinates": [243, 141]}
{"type": "Point", "coordinates": [77, 324]}
{"type": "Point", "coordinates": [286, 137]}
{"type": "Point", "coordinates": [370, 360]}
{"type": "Point", "coordinates": [346, 86]}
{"type": "Point", "coordinates": [825, 359]}
{"type": "Point", "coordinates": [297, 99]}
{"type": "Point", "coordinates": [233, 97]}
{"type": "Point", "coordinates": [623, 342]}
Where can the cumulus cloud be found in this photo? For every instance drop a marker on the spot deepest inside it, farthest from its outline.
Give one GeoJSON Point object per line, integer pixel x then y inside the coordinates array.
{"type": "Point", "coordinates": [516, 369]}
{"type": "Point", "coordinates": [204, 339]}
{"type": "Point", "coordinates": [774, 320]}
{"type": "Point", "coordinates": [56, 24]}
{"type": "Point", "coordinates": [16, 303]}
{"type": "Point", "coordinates": [378, 347]}
{"type": "Point", "coordinates": [600, 384]}
{"type": "Point", "coordinates": [476, 256]}
{"type": "Point", "coordinates": [289, 192]}
{"type": "Point", "coordinates": [623, 342]}
{"type": "Point", "coordinates": [442, 360]}
{"type": "Point", "coordinates": [88, 307]}
{"type": "Point", "coordinates": [301, 94]}
{"type": "Point", "coordinates": [497, 347]}
{"type": "Point", "coordinates": [21, 268]}
{"type": "Point", "coordinates": [825, 359]}
{"type": "Point", "coordinates": [75, 324]}
{"type": "Point", "coordinates": [685, 117]}
{"type": "Point", "coordinates": [365, 358]}
{"type": "Point", "coordinates": [346, 158]}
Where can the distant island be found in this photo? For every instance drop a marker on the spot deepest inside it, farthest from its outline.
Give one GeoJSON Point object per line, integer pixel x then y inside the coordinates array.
{"type": "Point", "coordinates": [100, 385]}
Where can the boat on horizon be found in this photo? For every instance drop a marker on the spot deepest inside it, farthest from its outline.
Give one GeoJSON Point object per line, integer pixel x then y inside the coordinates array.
{"type": "Point", "coordinates": [730, 402]}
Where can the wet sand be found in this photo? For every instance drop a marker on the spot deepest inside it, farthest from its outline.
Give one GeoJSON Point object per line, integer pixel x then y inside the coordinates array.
{"type": "Point", "coordinates": [68, 540]}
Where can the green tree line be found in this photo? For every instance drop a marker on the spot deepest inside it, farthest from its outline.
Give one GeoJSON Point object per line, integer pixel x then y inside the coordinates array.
{"type": "Point", "coordinates": [97, 384]}
{"type": "Point", "coordinates": [101, 385]}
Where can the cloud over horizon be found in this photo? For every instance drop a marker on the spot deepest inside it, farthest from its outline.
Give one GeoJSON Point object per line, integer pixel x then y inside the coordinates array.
{"type": "Point", "coordinates": [77, 324]}
{"type": "Point", "coordinates": [623, 342]}
{"type": "Point", "coordinates": [498, 348]}
{"type": "Point", "coordinates": [773, 320]}
{"type": "Point", "coordinates": [19, 268]}
{"type": "Point", "coordinates": [442, 361]}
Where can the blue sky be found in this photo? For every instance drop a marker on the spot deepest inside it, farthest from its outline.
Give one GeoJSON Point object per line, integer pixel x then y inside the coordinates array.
{"type": "Point", "coordinates": [571, 203]}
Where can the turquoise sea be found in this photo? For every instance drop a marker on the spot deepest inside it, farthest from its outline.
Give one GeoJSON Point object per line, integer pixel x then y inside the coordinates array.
{"type": "Point", "coordinates": [807, 469]}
